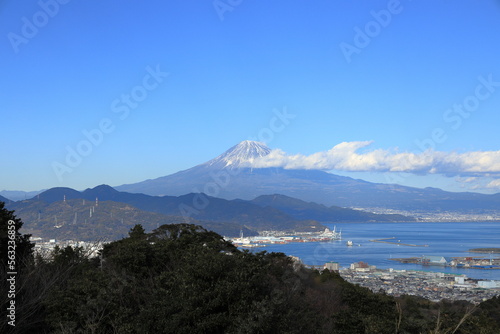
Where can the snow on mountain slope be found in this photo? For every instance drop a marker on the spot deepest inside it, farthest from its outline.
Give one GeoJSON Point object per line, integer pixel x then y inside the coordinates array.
{"type": "Point", "coordinates": [239, 155]}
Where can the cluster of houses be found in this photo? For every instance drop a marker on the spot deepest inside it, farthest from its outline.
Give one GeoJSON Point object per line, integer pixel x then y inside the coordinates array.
{"type": "Point", "coordinates": [431, 285]}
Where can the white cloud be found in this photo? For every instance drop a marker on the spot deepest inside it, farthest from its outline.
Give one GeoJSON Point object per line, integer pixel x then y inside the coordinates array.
{"type": "Point", "coordinates": [346, 157]}
{"type": "Point", "coordinates": [467, 179]}
{"type": "Point", "coordinates": [495, 184]}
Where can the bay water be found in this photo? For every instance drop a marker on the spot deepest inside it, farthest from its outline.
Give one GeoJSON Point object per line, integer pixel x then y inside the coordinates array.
{"type": "Point", "coordinates": [443, 239]}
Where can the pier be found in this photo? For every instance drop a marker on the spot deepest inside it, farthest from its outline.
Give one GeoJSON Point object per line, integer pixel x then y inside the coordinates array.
{"type": "Point", "coordinates": [457, 262]}
{"type": "Point", "coordinates": [384, 241]}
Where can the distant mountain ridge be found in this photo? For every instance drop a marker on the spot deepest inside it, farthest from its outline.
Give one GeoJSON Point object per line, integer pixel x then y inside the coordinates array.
{"type": "Point", "coordinates": [5, 200]}
{"type": "Point", "coordinates": [219, 178]}
{"type": "Point", "coordinates": [242, 213]}
{"type": "Point", "coordinates": [299, 209]}
{"type": "Point", "coordinates": [65, 212]}
{"type": "Point", "coordinates": [15, 195]}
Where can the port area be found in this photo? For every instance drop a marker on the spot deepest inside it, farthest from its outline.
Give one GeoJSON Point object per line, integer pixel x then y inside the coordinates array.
{"type": "Point", "coordinates": [278, 237]}
{"type": "Point", "coordinates": [456, 262]}
{"type": "Point", "coordinates": [399, 243]}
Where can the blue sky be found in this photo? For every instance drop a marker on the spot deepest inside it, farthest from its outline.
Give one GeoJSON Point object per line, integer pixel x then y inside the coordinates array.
{"type": "Point", "coordinates": [145, 89]}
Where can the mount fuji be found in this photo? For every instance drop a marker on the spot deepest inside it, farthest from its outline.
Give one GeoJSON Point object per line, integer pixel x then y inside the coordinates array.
{"type": "Point", "coordinates": [230, 176]}
{"type": "Point", "coordinates": [225, 176]}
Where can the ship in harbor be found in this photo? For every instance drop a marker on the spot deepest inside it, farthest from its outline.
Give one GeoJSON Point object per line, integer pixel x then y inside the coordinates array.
{"type": "Point", "coordinates": [332, 235]}
{"type": "Point", "coordinates": [261, 241]}
{"type": "Point", "coordinates": [245, 242]}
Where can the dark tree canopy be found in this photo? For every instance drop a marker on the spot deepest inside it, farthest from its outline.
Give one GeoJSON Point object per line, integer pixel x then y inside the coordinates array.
{"type": "Point", "coordinates": [24, 247]}
{"type": "Point", "coordinates": [16, 261]}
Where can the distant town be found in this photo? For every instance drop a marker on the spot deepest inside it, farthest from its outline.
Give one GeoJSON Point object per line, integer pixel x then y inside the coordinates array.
{"type": "Point", "coordinates": [434, 286]}
{"type": "Point", "coordinates": [44, 247]}
{"type": "Point", "coordinates": [444, 216]}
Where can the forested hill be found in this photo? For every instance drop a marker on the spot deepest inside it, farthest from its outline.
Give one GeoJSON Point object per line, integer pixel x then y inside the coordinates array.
{"type": "Point", "coordinates": [79, 219]}
{"type": "Point", "coordinates": [182, 278]}
{"type": "Point", "coordinates": [188, 207]}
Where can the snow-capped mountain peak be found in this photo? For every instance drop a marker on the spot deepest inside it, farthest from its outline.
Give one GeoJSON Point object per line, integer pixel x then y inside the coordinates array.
{"type": "Point", "coordinates": [240, 155]}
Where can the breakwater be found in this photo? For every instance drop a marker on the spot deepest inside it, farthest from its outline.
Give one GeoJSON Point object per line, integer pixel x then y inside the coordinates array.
{"type": "Point", "coordinates": [399, 243]}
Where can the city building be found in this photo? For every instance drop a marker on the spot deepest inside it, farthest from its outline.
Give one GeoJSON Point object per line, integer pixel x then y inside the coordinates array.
{"type": "Point", "coordinates": [332, 266]}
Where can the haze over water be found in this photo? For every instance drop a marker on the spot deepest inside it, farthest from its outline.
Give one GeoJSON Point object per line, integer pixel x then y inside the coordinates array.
{"type": "Point", "coordinates": [444, 239]}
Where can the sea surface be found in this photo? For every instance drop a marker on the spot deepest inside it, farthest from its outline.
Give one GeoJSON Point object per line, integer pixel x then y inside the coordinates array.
{"type": "Point", "coordinates": [443, 239]}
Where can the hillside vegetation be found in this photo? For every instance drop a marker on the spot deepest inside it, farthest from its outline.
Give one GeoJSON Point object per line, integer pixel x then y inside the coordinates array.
{"type": "Point", "coordinates": [80, 219]}
{"type": "Point", "coordinates": [182, 278]}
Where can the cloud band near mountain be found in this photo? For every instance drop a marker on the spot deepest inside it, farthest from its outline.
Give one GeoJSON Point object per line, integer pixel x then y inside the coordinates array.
{"type": "Point", "coordinates": [346, 157]}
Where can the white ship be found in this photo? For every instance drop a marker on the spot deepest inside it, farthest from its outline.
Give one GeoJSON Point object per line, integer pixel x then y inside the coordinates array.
{"type": "Point", "coordinates": [333, 235]}
{"type": "Point", "coordinates": [245, 242]}
{"type": "Point", "coordinates": [349, 243]}
{"type": "Point", "coordinates": [241, 240]}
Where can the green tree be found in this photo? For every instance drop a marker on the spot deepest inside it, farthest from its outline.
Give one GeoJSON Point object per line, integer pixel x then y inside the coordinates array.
{"type": "Point", "coordinates": [9, 231]}
{"type": "Point", "coordinates": [16, 261]}
{"type": "Point", "coordinates": [137, 232]}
